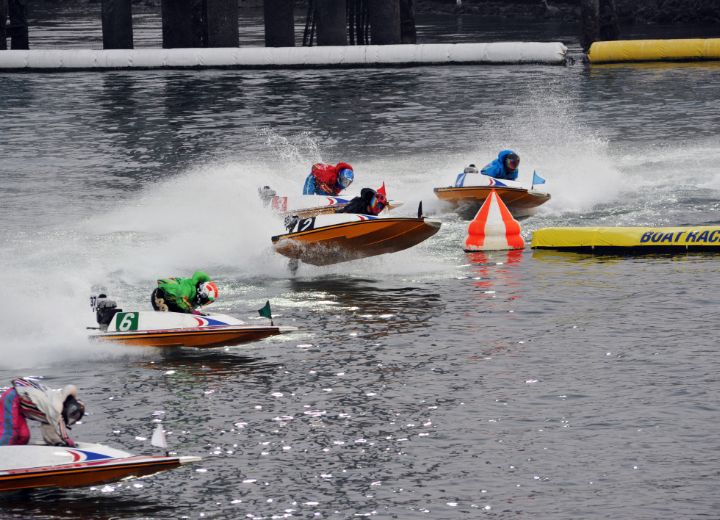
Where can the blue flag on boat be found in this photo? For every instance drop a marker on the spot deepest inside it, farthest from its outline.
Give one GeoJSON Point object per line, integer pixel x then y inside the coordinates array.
{"type": "Point", "coordinates": [537, 179]}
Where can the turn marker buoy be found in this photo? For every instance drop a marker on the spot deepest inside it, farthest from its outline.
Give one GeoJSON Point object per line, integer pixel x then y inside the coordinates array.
{"type": "Point", "coordinates": [493, 228]}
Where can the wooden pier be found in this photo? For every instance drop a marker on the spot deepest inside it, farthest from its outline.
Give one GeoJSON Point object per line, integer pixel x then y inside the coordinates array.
{"type": "Point", "coordinates": [214, 23]}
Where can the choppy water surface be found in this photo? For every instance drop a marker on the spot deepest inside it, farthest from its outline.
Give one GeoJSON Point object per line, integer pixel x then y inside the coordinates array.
{"type": "Point", "coordinates": [430, 383]}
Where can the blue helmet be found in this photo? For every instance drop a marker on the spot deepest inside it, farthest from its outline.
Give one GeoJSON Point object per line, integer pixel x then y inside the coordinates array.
{"type": "Point", "coordinates": [345, 177]}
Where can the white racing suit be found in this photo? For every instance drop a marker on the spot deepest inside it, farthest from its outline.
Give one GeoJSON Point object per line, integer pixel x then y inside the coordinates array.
{"type": "Point", "coordinates": [43, 404]}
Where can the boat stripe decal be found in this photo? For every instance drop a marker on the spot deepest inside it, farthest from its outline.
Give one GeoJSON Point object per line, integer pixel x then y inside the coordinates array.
{"type": "Point", "coordinates": [495, 182]}
{"type": "Point", "coordinates": [88, 455]}
{"type": "Point", "coordinates": [466, 189]}
{"type": "Point", "coordinates": [12, 474]}
{"type": "Point", "coordinates": [184, 333]}
{"type": "Point", "coordinates": [210, 322]}
{"type": "Point", "coordinates": [75, 455]}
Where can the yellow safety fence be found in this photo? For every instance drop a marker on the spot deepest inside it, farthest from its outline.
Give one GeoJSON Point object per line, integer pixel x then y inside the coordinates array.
{"type": "Point", "coordinates": [655, 50]}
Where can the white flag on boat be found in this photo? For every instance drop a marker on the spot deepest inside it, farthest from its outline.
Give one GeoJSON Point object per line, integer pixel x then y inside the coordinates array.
{"type": "Point", "coordinates": [158, 437]}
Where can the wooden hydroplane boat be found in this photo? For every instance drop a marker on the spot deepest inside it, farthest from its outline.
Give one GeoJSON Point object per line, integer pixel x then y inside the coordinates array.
{"type": "Point", "coordinates": [174, 329]}
{"type": "Point", "coordinates": [34, 466]}
{"type": "Point", "coordinates": [331, 239]}
{"type": "Point", "coordinates": [470, 191]}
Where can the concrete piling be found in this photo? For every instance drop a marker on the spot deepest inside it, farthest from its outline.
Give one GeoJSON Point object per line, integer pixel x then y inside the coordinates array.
{"type": "Point", "coordinates": [407, 22]}
{"type": "Point", "coordinates": [384, 22]}
{"type": "Point", "coordinates": [331, 22]}
{"type": "Point", "coordinates": [220, 28]}
{"type": "Point", "coordinates": [589, 22]}
{"type": "Point", "coordinates": [117, 24]}
{"type": "Point", "coordinates": [3, 24]}
{"type": "Point", "coordinates": [200, 23]}
{"type": "Point", "coordinates": [358, 22]}
{"type": "Point", "coordinates": [279, 23]}
{"type": "Point", "coordinates": [609, 25]}
{"type": "Point", "coordinates": [181, 23]}
{"type": "Point", "coordinates": [18, 28]}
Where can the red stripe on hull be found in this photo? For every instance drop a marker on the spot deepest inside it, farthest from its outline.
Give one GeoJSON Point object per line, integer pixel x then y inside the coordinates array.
{"type": "Point", "coordinates": [200, 338]}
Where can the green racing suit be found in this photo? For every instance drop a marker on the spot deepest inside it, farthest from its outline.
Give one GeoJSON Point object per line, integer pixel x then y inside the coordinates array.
{"type": "Point", "coordinates": [180, 294]}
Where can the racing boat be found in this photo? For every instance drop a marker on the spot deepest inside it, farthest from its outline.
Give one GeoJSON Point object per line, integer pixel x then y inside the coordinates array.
{"type": "Point", "coordinates": [174, 329]}
{"type": "Point", "coordinates": [33, 466]}
{"type": "Point", "coordinates": [305, 206]}
{"type": "Point", "coordinates": [331, 239]}
{"type": "Point", "coordinates": [470, 190]}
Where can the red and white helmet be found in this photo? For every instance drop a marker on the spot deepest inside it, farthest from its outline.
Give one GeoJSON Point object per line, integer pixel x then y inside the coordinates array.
{"type": "Point", "coordinates": [207, 293]}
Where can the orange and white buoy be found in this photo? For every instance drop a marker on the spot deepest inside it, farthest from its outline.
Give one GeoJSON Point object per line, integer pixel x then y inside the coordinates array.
{"type": "Point", "coordinates": [493, 228]}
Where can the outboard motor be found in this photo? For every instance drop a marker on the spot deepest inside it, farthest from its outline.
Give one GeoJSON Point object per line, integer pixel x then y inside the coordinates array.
{"type": "Point", "coordinates": [105, 309]}
{"type": "Point", "coordinates": [471, 169]}
{"type": "Point", "coordinates": [290, 222]}
{"type": "Point", "coordinates": [105, 312]}
{"type": "Point", "coordinates": [266, 194]}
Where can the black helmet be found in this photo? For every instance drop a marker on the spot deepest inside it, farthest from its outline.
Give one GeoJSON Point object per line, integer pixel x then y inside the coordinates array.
{"type": "Point", "coordinates": [512, 160]}
{"type": "Point", "coordinates": [73, 410]}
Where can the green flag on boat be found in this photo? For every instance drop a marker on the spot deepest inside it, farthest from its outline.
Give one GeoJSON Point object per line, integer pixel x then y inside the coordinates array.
{"type": "Point", "coordinates": [266, 312]}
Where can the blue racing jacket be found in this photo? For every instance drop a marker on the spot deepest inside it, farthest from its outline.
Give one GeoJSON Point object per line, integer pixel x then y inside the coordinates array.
{"type": "Point", "coordinates": [497, 168]}
{"type": "Point", "coordinates": [311, 187]}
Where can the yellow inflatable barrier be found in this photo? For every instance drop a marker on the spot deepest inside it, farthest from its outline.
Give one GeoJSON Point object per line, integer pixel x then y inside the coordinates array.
{"type": "Point", "coordinates": [696, 238]}
{"type": "Point", "coordinates": [655, 50]}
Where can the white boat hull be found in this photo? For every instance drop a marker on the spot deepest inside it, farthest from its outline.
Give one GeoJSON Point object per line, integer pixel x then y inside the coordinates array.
{"type": "Point", "coordinates": [35, 467]}
{"type": "Point", "coordinates": [174, 329]}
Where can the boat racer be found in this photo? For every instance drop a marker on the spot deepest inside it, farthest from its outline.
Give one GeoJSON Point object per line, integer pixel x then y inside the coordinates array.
{"type": "Point", "coordinates": [184, 294]}
{"type": "Point", "coordinates": [504, 167]}
{"type": "Point", "coordinates": [370, 202]}
{"type": "Point", "coordinates": [326, 179]}
{"type": "Point", "coordinates": [56, 410]}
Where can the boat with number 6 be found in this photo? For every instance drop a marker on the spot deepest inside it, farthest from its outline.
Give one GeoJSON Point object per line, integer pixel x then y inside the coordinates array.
{"type": "Point", "coordinates": [174, 329]}
{"type": "Point", "coordinates": [34, 466]}
{"type": "Point", "coordinates": [341, 237]}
